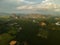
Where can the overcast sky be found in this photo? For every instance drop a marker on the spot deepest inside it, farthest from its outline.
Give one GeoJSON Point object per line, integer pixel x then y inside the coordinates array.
{"type": "Point", "coordinates": [27, 6]}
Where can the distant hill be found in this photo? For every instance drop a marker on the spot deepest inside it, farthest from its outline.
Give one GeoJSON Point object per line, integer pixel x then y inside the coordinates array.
{"type": "Point", "coordinates": [4, 14]}
{"type": "Point", "coordinates": [34, 14]}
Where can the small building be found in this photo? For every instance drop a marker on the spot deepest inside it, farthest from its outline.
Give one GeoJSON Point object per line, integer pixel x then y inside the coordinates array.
{"type": "Point", "coordinates": [57, 23]}
{"type": "Point", "coordinates": [13, 42]}
{"type": "Point", "coordinates": [42, 24]}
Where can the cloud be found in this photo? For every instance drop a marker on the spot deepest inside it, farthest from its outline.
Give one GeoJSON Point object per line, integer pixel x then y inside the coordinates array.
{"type": "Point", "coordinates": [23, 1]}
{"type": "Point", "coordinates": [44, 5]}
{"type": "Point", "coordinates": [16, 0]}
{"type": "Point", "coordinates": [29, 2]}
{"type": "Point", "coordinates": [50, 5]}
{"type": "Point", "coordinates": [28, 7]}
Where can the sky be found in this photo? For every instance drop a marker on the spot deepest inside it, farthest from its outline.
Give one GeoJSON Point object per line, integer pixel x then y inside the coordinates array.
{"type": "Point", "coordinates": [30, 6]}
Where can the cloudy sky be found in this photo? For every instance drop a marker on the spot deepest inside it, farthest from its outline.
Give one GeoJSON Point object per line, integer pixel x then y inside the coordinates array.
{"type": "Point", "coordinates": [30, 6]}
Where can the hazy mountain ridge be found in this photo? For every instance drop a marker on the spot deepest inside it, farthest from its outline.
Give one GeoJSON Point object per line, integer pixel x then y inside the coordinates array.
{"type": "Point", "coordinates": [30, 14]}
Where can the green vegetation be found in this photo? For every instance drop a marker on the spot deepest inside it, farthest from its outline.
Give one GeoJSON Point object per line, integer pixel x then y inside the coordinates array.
{"type": "Point", "coordinates": [36, 31]}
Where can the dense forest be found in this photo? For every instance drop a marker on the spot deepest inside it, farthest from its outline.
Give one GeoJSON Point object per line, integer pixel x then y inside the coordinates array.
{"type": "Point", "coordinates": [30, 31]}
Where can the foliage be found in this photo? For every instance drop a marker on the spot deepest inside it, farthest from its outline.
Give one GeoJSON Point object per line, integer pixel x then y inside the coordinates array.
{"type": "Point", "coordinates": [27, 30]}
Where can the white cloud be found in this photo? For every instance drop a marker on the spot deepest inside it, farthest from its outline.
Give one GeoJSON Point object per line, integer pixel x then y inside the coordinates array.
{"type": "Point", "coordinates": [25, 7]}
{"type": "Point", "coordinates": [57, 10]}
{"type": "Point", "coordinates": [44, 5]}
{"type": "Point", "coordinates": [49, 5]}
{"type": "Point", "coordinates": [20, 0]}
{"type": "Point", "coordinates": [24, 1]}
{"type": "Point", "coordinates": [17, 0]}
{"type": "Point", "coordinates": [45, 1]}
{"type": "Point", "coordinates": [21, 7]}
{"type": "Point", "coordinates": [29, 2]}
